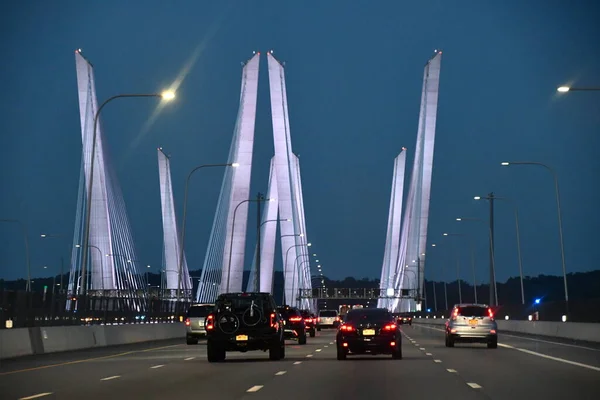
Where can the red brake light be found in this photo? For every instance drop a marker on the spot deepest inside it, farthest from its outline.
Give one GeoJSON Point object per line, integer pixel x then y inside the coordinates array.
{"type": "Point", "coordinates": [337, 319]}
{"type": "Point", "coordinates": [319, 319]}
{"type": "Point", "coordinates": [187, 322]}
{"type": "Point", "coordinates": [455, 314]}
{"type": "Point", "coordinates": [295, 319]}
{"type": "Point", "coordinates": [347, 328]}
{"type": "Point", "coordinates": [490, 313]}
{"type": "Point", "coordinates": [308, 320]}
{"type": "Point", "coordinates": [210, 322]}
{"type": "Point", "coordinates": [389, 327]}
{"type": "Point", "coordinates": [273, 322]}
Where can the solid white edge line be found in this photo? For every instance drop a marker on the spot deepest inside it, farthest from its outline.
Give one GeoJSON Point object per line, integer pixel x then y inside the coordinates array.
{"type": "Point", "coordinates": [281, 373]}
{"type": "Point", "coordinates": [474, 385]}
{"type": "Point", "coordinates": [533, 353]}
{"type": "Point", "coordinates": [110, 378]}
{"type": "Point", "coordinates": [550, 342]}
{"type": "Point", "coordinates": [254, 388]}
{"type": "Point", "coordinates": [35, 396]}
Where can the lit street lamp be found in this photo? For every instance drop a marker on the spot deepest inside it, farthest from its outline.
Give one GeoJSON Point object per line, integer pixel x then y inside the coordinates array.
{"type": "Point", "coordinates": [167, 96]}
{"type": "Point", "coordinates": [565, 89]}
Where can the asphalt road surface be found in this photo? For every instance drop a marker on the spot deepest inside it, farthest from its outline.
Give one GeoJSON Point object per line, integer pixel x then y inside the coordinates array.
{"type": "Point", "coordinates": [521, 368]}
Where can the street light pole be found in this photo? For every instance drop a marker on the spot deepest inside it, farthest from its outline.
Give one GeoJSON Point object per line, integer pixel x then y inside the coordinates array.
{"type": "Point", "coordinates": [285, 262]}
{"type": "Point", "coordinates": [518, 240]}
{"type": "Point", "coordinates": [560, 229]}
{"type": "Point", "coordinates": [183, 219]}
{"type": "Point", "coordinates": [27, 258]}
{"type": "Point", "coordinates": [493, 258]}
{"type": "Point", "coordinates": [259, 198]}
{"type": "Point", "coordinates": [233, 230]}
{"type": "Point", "coordinates": [167, 95]}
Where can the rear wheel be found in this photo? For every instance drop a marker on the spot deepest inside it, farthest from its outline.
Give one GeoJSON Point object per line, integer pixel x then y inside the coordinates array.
{"type": "Point", "coordinates": [275, 352]}
{"type": "Point", "coordinates": [397, 353]}
{"type": "Point", "coordinates": [313, 333]}
{"type": "Point", "coordinates": [449, 341]}
{"type": "Point", "coordinates": [341, 353]}
{"type": "Point", "coordinates": [214, 352]}
{"type": "Point", "coordinates": [302, 339]}
{"type": "Point", "coordinates": [318, 329]}
{"type": "Point", "coordinates": [493, 344]}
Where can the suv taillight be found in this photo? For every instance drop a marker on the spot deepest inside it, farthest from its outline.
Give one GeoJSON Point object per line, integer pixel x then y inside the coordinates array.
{"type": "Point", "coordinates": [390, 327]}
{"type": "Point", "coordinates": [210, 322]}
{"type": "Point", "coordinates": [187, 322]}
{"type": "Point", "coordinates": [490, 313]}
{"type": "Point", "coordinates": [295, 319]}
{"type": "Point", "coordinates": [347, 328]}
{"type": "Point", "coordinates": [273, 321]}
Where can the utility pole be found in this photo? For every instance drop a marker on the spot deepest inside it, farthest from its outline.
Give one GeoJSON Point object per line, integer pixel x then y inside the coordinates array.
{"type": "Point", "coordinates": [492, 274]}
{"type": "Point", "coordinates": [259, 199]}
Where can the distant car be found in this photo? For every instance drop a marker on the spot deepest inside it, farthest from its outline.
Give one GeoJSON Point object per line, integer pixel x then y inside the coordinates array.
{"type": "Point", "coordinates": [328, 319]}
{"type": "Point", "coordinates": [244, 322]}
{"type": "Point", "coordinates": [310, 322]}
{"type": "Point", "coordinates": [293, 324]}
{"type": "Point", "coordinates": [405, 319]}
{"type": "Point", "coordinates": [369, 330]}
{"type": "Point", "coordinates": [194, 322]}
{"type": "Point", "coordinates": [472, 323]}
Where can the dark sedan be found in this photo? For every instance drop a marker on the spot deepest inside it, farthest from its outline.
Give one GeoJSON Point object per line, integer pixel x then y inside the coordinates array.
{"type": "Point", "coordinates": [293, 324]}
{"type": "Point", "coordinates": [369, 330]}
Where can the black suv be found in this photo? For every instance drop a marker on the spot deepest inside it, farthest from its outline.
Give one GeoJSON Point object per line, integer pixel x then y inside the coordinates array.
{"type": "Point", "coordinates": [293, 324]}
{"type": "Point", "coordinates": [310, 321]}
{"type": "Point", "coordinates": [244, 322]}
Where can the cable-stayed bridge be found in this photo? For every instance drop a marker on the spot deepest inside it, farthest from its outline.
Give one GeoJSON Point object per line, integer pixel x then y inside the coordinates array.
{"type": "Point", "coordinates": [110, 266]}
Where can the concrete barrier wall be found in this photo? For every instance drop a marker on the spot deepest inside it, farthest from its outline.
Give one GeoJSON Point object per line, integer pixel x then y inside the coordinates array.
{"type": "Point", "coordinates": [588, 332]}
{"type": "Point", "coordinates": [52, 339]}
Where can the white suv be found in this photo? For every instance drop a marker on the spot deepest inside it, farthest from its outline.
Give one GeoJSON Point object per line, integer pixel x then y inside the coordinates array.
{"type": "Point", "coordinates": [328, 319]}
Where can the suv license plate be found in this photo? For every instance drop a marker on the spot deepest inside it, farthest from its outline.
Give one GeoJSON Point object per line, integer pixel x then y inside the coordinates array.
{"type": "Point", "coordinates": [241, 338]}
{"type": "Point", "coordinates": [473, 322]}
{"type": "Point", "coordinates": [369, 332]}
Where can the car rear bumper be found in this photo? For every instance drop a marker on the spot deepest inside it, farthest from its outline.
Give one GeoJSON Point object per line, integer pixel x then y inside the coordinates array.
{"type": "Point", "coordinates": [474, 336]}
{"type": "Point", "coordinates": [253, 342]}
{"type": "Point", "coordinates": [196, 333]}
{"type": "Point", "coordinates": [379, 344]}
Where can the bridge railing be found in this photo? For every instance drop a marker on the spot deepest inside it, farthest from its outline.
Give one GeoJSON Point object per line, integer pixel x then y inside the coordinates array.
{"type": "Point", "coordinates": [29, 309]}
{"type": "Point", "coordinates": [355, 293]}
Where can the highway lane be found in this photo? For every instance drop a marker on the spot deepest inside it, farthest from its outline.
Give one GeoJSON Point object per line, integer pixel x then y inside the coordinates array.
{"type": "Point", "coordinates": [515, 370]}
{"type": "Point", "coordinates": [170, 368]}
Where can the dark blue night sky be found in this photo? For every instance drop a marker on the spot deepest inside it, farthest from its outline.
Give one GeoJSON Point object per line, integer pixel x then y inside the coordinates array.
{"type": "Point", "coordinates": [354, 75]}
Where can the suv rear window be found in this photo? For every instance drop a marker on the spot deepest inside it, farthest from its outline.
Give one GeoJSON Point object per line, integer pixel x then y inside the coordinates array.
{"type": "Point", "coordinates": [240, 303]}
{"type": "Point", "coordinates": [288, 312]}
{"type": "Point", "coordinates": [376, 316]}
{"type": "Point", "coordinates": [327, 314]}
{"type": "Point", "coordinates": [199, 311]}
{"type": "Point", "coordinates": [473, 311]}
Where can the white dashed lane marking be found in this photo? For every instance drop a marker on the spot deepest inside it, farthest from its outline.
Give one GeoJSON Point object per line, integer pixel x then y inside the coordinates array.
{"type": "Point", "coordinates": [474, 385]}
{"type": "Point", "coordinates": [309, 355]}
{"type": "Point", "coordinates": [254, 388]}
{"type": "Point", "coordinates": [317, 350]}
{"type": "Point", "coordinates": [428, 354]}
{"type": "Point", "coordinates": [452, 371]}
{"type": "Point", "coordinates": [437, 361]}
{"type": "Point", "coordinates": [298, 363]}
{"type": "Point", "coordinates": [35, 396]}
{"type": "Point", "coordinates": [157, 366]}
{"type": "Point", "coordinates": [189, 358]}
{"type": "Point", "coordinates": [422, 348]}
{"type": "Point", "coordinates": [281, 373]}
{"type": "Point", "coordinates": [110, 378]}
